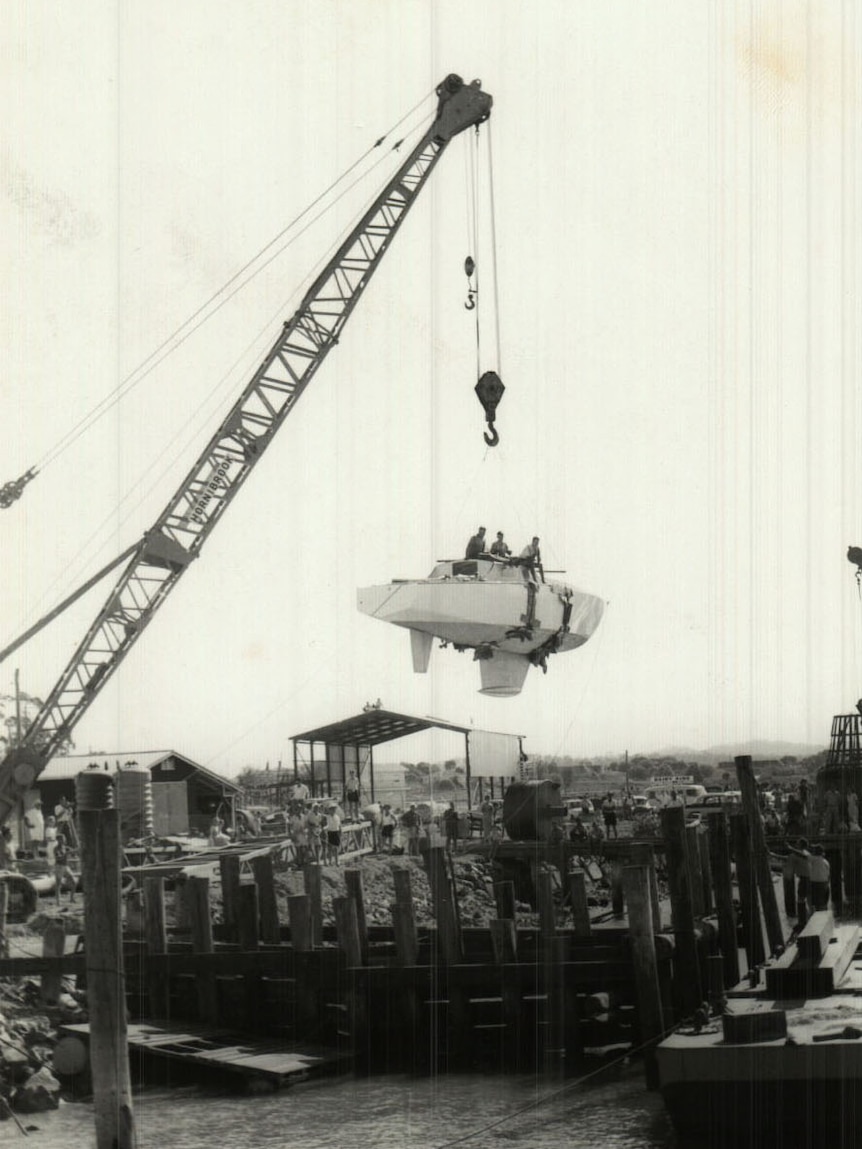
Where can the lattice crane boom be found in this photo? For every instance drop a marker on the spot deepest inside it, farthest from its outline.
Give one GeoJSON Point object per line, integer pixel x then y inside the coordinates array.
{"type": "Point", "coordinates": [177, 536]}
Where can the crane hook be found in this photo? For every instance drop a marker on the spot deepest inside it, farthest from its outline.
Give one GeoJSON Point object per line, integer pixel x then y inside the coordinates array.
{"type": "Point", "coordinates": [489, 391]}
{"type": "Point", "coordinates": [469, 268]}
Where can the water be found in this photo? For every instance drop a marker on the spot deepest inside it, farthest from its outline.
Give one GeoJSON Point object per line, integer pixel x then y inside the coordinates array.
{"type": "Point", "coordinates": [383, 1113]}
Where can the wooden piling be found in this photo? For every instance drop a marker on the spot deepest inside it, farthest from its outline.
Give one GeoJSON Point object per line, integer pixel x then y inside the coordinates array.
{"type": "Point", "coordinates": [53, 946]}
{"type": "Point", "coordinates": [580, 908]}
{"type": "Point", "coordinates": [99, 831]}
{"type": "Point", "coordinates": [504, 940]}
{"type": "Point", "coordinates": [618, 906]}
{"type": "Point", "coordinates": [555, 993]}
{"type": "Point", "coordinates": [705, 872]}
{"type": "Point", "coordinates": [752, 932]}
{"type": "Point", "coordinates": [4, 907]}
{"type": "Point", "coordinates": [202, 943]}
{"type": "Point", "coordinates": [264, 879]}
{"type": "Point", "coordinates": [504, 899]}
{"type": "Point", "coordinates": [299, 917]}
{"type": "Point", "coordinates": [311, 878]}
{"type": "Point", "coordinates": [404, 919]}
{"type": "Point", "coordinates": [760, 853]}
{"type": "Point", "coordinates": [229, 865]}
{"type": "Point", "coordinates": [353, 882]}
{"type": "Point", "coordinates": [545, 898]}
{"type": "Point", "coordinates": [719, 863]}
{"type": "Point", "coordinates": [692, 853]}
{"type": "Point", "coordinates": [686, 967]}
{"type": "Point", "coordinates": [248, 918]}
{"type": "Point", "coordinates": [443, 899]}
{"type": "Point", "coordinates": [788, 884]}
{"type": "Point", "coordinates": [156, 937]}
{"type": "Point", "coordinates": [347, 929]}
{"type": "Point", "coordinates": [642, 934]}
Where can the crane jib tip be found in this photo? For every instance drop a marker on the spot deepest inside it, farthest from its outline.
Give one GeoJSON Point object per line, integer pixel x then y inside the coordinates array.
{"type": "Point", "coordinates": [12, 491]}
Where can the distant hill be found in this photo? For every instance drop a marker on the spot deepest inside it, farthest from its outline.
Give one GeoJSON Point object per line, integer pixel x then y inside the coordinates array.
{"type": "Point", "coordinates": [757, 749]}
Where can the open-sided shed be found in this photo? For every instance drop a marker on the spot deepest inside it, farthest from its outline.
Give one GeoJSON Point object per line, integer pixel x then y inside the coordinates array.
{"type": "Point", "coordinates": [325, 756]}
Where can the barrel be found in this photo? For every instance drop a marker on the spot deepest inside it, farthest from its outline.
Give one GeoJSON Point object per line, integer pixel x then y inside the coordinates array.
{"type": "Point", "coordinates": [135, 802]}
{"type": "Point", "coordinates": [530, 809]}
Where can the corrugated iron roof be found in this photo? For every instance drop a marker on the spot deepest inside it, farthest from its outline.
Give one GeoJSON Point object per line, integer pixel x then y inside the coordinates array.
{"type": "Point", "coordinates": [374, 726]}
{"type": "Point", "coordinates": [68, 766]}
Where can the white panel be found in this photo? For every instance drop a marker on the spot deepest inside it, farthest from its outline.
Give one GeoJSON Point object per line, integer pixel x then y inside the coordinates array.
{"type": "Point", "coordinates": [493, 755]}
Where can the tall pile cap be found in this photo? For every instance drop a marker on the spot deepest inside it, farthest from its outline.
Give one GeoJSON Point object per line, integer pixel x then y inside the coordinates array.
{"type": "Point", "coordinates": [94, 790]}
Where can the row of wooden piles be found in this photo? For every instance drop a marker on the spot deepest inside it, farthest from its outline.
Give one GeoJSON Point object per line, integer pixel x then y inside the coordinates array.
{"type": "Point", "coordinates": [405, 996]}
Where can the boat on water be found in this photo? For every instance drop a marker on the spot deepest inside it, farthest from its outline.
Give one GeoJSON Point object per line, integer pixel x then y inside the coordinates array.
{"type": "Point", "coordinates": [501, 609]}
{"type": "Point", "coordinates": [781, 1067]}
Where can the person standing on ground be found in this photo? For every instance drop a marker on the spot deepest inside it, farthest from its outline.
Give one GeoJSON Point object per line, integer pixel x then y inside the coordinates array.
{"type": "Point", "coordinates": [34, 823]}
{"type": "Point", "coordinates": [351, 794]}
{"type": "Point", "coordinates": [852, 811]}
{"type": "Point", "coordinates": [7, 850]}
{"type": "Point", "coordinates": [333, 835]}
{"type": "Point", "coordinates": [819, 879]}
{"type": "Point", "coordinates": [476, 545]}
{"type": "Point", "coordinates": [487, 811]}
{"type": "Point", "coordinates": [831, 811]}
{"type": "Point", "coordinates": [410, 822]}
{"type": "Point", "coordinates": [62, 871]}
{"type": "Point", "coordinates": [609, 816]}
{"type": "Point", "coordinates": [387, 829]}
{"type": "Point", "coordinates": [450, 825]}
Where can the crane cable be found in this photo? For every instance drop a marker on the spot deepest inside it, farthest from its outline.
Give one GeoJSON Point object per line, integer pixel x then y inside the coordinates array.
{"type": "Point", "coordinates": [489, 388]}
{"type": "Point", "coordinates": [211, 400]}
{"type": "Point", "coordinates": [11, 491]}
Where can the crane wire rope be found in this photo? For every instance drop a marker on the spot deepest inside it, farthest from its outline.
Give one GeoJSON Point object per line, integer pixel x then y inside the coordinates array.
{"type": "Point", "coordinates": [214, 395]}
{"type": "Point", "coordinates": [554, 1094]}
{"type": "Point", "coordinates": [495, 289]}
{"type": "Point", "coordinates": [206, 310]}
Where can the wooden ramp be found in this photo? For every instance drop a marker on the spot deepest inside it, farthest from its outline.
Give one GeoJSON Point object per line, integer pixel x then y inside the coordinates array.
{"type": "Point", "coordinates": [276, 1062]}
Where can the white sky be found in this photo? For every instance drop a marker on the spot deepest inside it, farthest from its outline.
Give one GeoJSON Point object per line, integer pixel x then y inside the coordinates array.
{"type": "Point", "coordinates": [677, 213]}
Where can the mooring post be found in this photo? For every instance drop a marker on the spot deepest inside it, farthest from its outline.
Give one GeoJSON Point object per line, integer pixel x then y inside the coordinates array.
{"type": "Point", "coordinates": [264, 878]}
{"type": "Point", "coordinates": [443, 898]}
{"type": "Point", "coordinates": [202, 943]}
{"type": "Point", "coordinates": [353, 882]}
{"type": "Point", "coordinates": [692, 853]}
{"type": "Point", "coordinates": [156, 936]}
{"type": "Point", "coordinates": [99, 833]}
{"type": "Point", "coordinates": [686, 968]}
{"type": "Point", "coordinates": [53, 946]}
{"type": "Point", "coordinates": [719, 862]}
{"type": "Point", "coordinates": [746, 882]}
{"type": "Point", "coordinates": [642, 934]}
{"type": "Point", "coordinates": [229, 866]}
{"type": "Point", "coordinates": [580, 906]}
{"type": "Point", "coordinates": [311, 872]}
{"type": "Point", "coordinates": [760, 851]}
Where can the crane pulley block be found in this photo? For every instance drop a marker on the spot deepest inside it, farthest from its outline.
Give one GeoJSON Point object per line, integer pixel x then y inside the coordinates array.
{"type": "Point", "coordinates": [490, 390]}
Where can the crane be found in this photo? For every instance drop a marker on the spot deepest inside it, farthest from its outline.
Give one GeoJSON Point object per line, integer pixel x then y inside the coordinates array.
{"type": "Point", "coordinates": [177, 536]}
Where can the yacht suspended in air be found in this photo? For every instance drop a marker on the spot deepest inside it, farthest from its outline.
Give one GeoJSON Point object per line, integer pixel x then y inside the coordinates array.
{"type": "Point", "coordinates": [502, 609]}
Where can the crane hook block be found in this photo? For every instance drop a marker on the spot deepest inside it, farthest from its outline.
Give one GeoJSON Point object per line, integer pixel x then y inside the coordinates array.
{"type": "Point", "coordinates": [12, 491]}
{"type": "Point", "coordinates": [490, 390]}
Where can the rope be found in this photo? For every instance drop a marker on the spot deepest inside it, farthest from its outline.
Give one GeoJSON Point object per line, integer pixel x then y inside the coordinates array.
{"type": "Point", "coordinates": [219, 298]}
{"type": "Point", "coordinates": [562, 1091]}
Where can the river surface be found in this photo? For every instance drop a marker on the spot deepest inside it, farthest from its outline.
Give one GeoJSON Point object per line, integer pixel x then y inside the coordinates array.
{"type": "Point", "coordinates": [381, 1113]}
